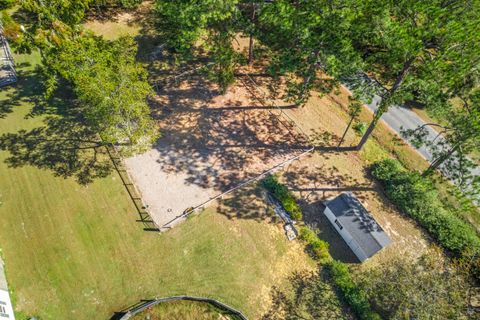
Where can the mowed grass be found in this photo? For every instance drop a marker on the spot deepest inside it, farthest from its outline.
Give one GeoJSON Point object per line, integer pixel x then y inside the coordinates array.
{"type": "Point", "coordinates": [76, 252]}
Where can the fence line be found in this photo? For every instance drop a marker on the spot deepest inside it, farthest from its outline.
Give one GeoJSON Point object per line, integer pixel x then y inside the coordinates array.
{"type": "Point", "coordinates": [258, 177]}
{"type": "Point", "coordinates": [174, 77]}
{"type": "Point", "coordinates": [150, 303]}
{"type": "Point", "coordinates": [11, 73]}
{"type": "Point", "coordinates": [279, 109]}
{"type": "Point", "coordinates": [189, 211]}
{"type": "Point", "coordinates": [134, 194]}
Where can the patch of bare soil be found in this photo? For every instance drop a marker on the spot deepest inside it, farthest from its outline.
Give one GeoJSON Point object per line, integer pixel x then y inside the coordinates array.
{"type": "Point", "coordinates": [210, 143]}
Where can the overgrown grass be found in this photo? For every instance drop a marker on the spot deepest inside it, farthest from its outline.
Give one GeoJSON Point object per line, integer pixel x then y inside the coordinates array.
{"type": "Point", "coordinates": [185, 310]}
{"type": "Point", "coordinates": [340, 274]}
{"type": "Point", "coordinates": [352, 293]}
{"type": "Point", "coordinates": [77, 252]}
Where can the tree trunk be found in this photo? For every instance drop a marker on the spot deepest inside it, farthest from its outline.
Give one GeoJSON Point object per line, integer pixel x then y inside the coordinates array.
{"type": "Point", "coordinates": [438, 162]}
{"type": "Point", "coordinates": [384, 105]}
{"type": "Point", "coordinates": [367, 133]}
{"type": "Point", "coordinates": [345, 132]}
{"type": "Point", "coordinates": [251, 41]}
{"type": "Point", "coordinates": [250, 50]}
{"type": "Point", "coordinates": [312, 69]}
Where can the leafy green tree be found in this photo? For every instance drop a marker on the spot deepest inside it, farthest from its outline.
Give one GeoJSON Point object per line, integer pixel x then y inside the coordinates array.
{"type": "Point", "coordinates": [454, 97]}
{"type": "Point", "coordinates": [48, 23]}
{"type": "Point", "coordinates": [454, 144]}
{"type": "Point", "coordinates": [429, 288]}
{"type": "Point", "coordinates": [6, 4]}
{"type": "Point", "coordinates": [209, 24]}
{"type": "Point", "coordinates": [111, 87]}
{"type": "Point", "coordinates": [306, 37]}
{"type": "Point", "coordinates": [405, 48]}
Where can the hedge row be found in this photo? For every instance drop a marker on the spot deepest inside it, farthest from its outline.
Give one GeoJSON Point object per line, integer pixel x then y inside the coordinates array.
{"type": "Point", "coordinates": [417, 197]}
{"type": "Point", "coordinates": [317, 246]}
{"type": "Point", "coordinates": [286, 198]}
{"type": "Point", "coordinates": [353, 294]}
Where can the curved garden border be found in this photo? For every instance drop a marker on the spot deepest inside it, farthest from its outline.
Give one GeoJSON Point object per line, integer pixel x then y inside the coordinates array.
{"type": "Point", "coordinates": [136, 309]}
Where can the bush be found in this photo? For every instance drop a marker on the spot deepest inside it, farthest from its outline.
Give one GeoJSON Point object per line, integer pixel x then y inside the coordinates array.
{"type": "Point", "coordinates": [416, 196]}
{"type": "Point", "coordinates": [286, 198]}
{"type": "Point", "coordinates": [384, 170]}
{"type": "Point", "coordinates": [318, 247]}
{"type": "Point", "coordinates": [129, 4]}
{"type": "Point", "coordinates": [352, 293]}
{"type": "Point", "coordinates": [360, 128]}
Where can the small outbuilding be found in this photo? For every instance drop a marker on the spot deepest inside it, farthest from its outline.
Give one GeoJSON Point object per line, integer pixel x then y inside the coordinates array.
{"type": "Point", "coordinates": [356, 226]}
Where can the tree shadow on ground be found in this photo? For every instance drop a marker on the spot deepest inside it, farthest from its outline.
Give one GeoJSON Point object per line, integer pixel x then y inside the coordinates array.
{"type": "Point", "coordinates": [151, 41]}
{"type": "Point", "coordinates": [63, 144]}
{"type": "Point", "coordinates": [220, 141]}
{"type": "Point", "coordinates": [309, 296]}
{"type": "Point", "coordinates": [248, 203]}
{"type": "Point", "coordinates": [27, 89]}
{"type": "Point", "coordinates": [323, 181]}
{"type": "Point", "coordinates": [313, 217]}
{"type": "Point", "coordinates": [315, 184]}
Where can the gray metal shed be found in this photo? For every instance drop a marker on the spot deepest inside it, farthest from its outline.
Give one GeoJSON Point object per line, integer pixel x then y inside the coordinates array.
{"type": "Point", "coordinates": [356, 226]}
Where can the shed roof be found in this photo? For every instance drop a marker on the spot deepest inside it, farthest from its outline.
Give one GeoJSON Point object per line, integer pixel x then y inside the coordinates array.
{"type": "Point", "coordinates": [353, 216]}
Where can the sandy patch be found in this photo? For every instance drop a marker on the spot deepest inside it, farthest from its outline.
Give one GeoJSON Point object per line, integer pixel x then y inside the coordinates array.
{"type": "Point", "coordinates": [210, 143]}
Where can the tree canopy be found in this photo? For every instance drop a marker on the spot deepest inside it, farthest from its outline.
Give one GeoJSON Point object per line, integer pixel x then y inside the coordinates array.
{"type": "Point", "coordinates": [405, 48]}
{"type": "Point", "coordinates": [307, 37]}
{"type": "Point", "coordinates": [424, 289]}
{"type": "Point", "coordinates": [110, 85]}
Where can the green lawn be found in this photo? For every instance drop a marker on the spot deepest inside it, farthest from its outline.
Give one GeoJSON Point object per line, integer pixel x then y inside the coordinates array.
{"type": "Point", "coordinates": [76, 252]}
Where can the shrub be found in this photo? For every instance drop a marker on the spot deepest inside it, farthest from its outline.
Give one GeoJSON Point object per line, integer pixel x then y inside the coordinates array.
{"type": "Point", "coordinates": [352, 293]}
{"type": "Point", "coordinates": [384, 170]}
{"type": "Point", "coordinates": [360, 128]}
{"type": "Point", "coordinates": [286, 198]}
{"type": "Point", "coordinates": [417, 197]}
{"type": "Point", "coordinates": [129, 4]}
{"type": "Point", "coordinates": [318, 247]}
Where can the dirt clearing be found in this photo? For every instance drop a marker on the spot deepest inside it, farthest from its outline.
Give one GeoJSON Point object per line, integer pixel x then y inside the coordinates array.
{"type": "Point", "coordinates": [210, 143]}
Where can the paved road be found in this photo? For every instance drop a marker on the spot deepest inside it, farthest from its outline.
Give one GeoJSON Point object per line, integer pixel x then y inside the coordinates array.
{"type": "Point", "coordinates": [399, 117]}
